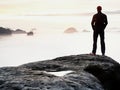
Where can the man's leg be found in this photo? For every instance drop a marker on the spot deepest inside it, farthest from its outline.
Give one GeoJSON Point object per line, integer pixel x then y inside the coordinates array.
{"type": "Point", "coordinates": [102, 43]}
{"type": "Point", "coordinates": [95, 36]}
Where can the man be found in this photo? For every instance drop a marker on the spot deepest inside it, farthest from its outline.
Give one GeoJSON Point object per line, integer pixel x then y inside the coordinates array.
{"type": "Point", "coordinates": [99, 22]}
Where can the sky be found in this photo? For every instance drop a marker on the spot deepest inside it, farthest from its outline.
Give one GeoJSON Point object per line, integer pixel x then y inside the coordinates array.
{"type": "Point", "coordinates": [48, 7]}
{"type": "Point", "coordinates": [16, 13]}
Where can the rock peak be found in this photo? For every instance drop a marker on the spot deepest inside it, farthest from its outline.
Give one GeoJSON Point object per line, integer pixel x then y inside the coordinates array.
{"type": "Point", "coordinates": [84, 72]}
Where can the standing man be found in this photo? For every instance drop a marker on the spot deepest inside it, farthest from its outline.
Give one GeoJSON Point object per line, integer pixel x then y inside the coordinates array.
{"type": "Point", "coordinates": [99, 22]}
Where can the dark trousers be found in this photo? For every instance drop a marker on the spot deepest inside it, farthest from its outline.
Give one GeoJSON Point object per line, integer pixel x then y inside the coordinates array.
{"type": "Point", "coordinates": [95, 36]}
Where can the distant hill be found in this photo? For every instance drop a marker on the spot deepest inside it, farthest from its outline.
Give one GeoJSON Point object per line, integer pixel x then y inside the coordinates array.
{"type": "Point", "coordinates": [70, 30]}
{"type": "Point", "coordinates": [19, 31]}
{"type": "Point", "coordinates": [5, 31]}
{"type": "Point", "coordinates": [8, 31]}
{"type": "Point", "coordinates": [85, 30]}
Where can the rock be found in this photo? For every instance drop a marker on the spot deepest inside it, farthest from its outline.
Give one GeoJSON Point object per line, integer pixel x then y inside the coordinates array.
{"type": "Point", "coordinates": [70, 30]}
{"type": "Point", "coordinates": [30, 33]}
{"type": "Point", "coordinates": [108, 76]}
{"type": "Point", "coordinates": [5, 31]}
{"type": "Point", "coordinates": [85, 30]}
{"type": "Point", "coordinates": [88, 73]}
{"type": "Point", "coordinates": [19, 31]}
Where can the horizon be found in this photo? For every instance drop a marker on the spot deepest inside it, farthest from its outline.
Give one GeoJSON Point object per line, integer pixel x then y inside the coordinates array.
{"type": "Point", "coordinates": [53, 14]}
{"type": "Point", "coordinates": [55, 7]}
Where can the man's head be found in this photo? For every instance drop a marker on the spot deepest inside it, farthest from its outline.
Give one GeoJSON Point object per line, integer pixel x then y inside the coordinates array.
{"type": "Point", "coordinates": [99, 8]}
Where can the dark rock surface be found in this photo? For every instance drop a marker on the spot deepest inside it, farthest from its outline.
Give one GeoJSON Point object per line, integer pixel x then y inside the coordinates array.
{"type": "Point", "coordinates": [88, 73]}
{"type": "Point", "coordinates": [5, 31]}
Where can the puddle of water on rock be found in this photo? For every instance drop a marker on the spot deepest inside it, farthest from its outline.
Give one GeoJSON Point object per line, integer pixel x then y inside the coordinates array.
{"type": "Point", "coordinates": [60, 73]}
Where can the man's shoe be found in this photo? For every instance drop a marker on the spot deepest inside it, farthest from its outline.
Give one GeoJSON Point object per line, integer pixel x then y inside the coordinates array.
{"type": "Point", "coordinates": [92, 54]}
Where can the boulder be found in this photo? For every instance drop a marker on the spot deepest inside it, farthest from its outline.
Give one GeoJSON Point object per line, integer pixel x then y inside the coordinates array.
{"type": "Point", "coordinates": [70, 30]}
{"type": "Point", "coordinates": [87, 72]}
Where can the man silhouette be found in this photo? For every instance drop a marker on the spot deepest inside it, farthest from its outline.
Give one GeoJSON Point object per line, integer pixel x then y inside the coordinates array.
{"type": "Point", "coordinates": [99, 22]}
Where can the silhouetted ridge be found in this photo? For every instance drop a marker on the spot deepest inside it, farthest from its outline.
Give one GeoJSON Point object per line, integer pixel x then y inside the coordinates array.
{"type": "Point", "coordinates": [5, 31]}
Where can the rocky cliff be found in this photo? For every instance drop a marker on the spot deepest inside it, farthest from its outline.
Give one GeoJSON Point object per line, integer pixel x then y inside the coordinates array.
{"type": "Point", "coordinates": [86, 72]}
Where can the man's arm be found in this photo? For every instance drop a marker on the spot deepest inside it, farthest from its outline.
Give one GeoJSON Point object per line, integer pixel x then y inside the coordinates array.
{"type": "Point", "coordinates": [93, 22]}
{"type": "Point", "coordinates": [105, 21]}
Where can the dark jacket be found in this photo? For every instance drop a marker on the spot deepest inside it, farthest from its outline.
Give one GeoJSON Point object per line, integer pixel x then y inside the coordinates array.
{"type": "Point", "coordinates": [99, 22]}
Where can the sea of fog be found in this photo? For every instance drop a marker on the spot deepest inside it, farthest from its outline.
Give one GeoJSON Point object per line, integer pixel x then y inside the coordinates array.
{"type": "Point", "coordinates": [18, 49]}
{"type": "Point", "coordinates": [49, 40]}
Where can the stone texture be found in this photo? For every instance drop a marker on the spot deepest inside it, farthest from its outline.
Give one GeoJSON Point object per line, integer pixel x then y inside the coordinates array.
{"type": "Point", "coordinates": [89, 73]}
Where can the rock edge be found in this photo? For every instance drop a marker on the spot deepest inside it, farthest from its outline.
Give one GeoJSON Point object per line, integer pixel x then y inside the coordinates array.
{"type": "Point", "coordinates": [89, 73]}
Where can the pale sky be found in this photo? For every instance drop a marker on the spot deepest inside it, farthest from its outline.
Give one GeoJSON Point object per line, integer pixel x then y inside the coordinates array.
{"type": "Point", "coordinates": [42, 7]}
